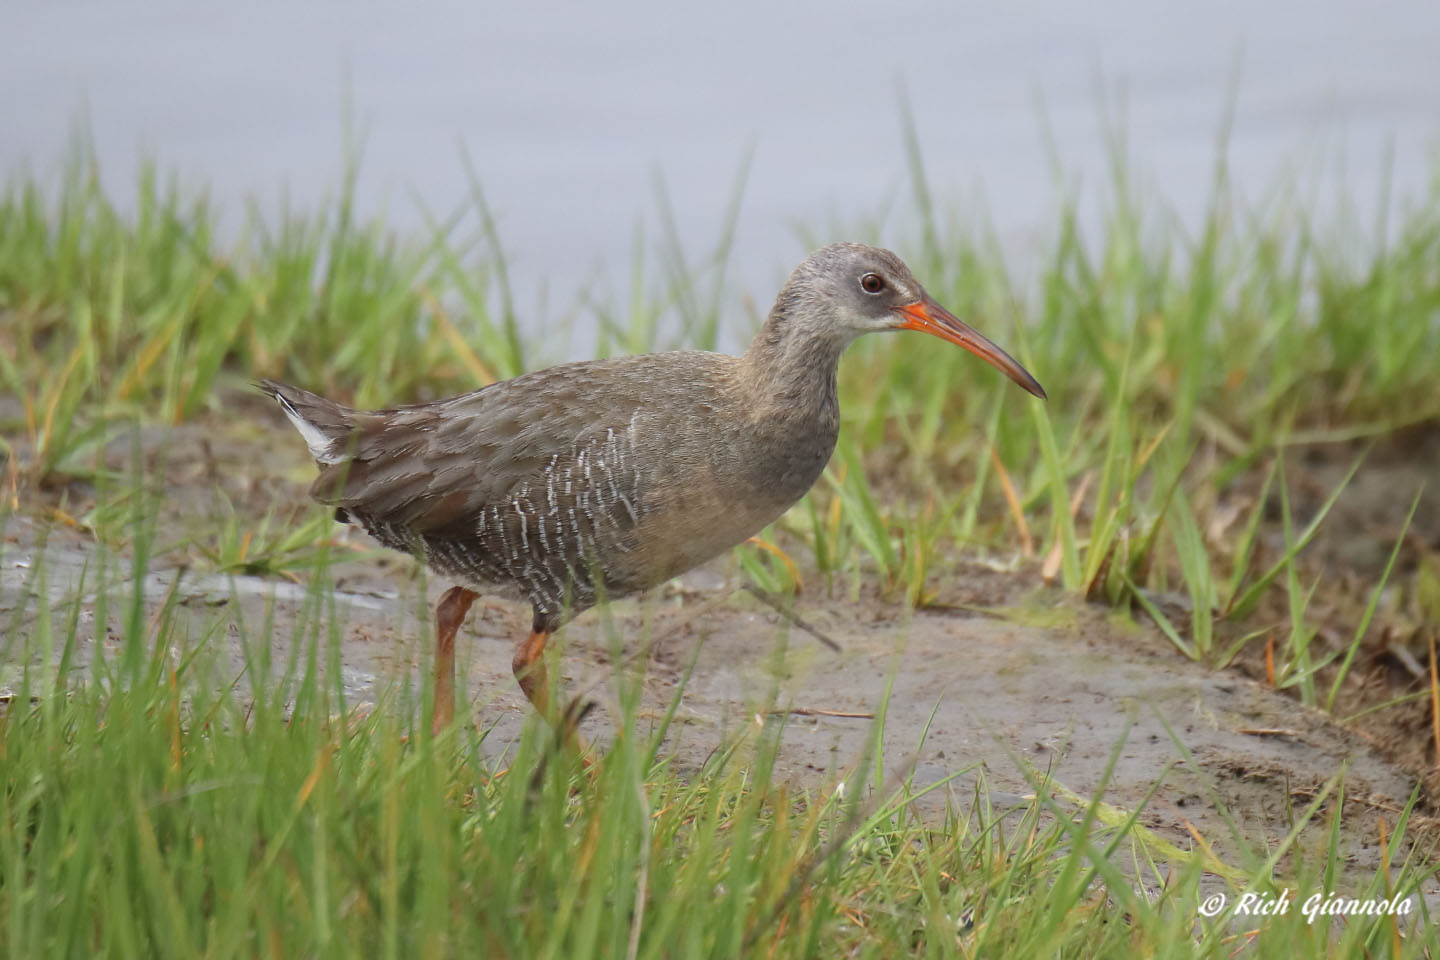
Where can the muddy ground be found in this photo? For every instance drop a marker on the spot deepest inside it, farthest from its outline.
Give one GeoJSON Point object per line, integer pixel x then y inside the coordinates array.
{"type": "Point", "coordinates": [1016, 675]}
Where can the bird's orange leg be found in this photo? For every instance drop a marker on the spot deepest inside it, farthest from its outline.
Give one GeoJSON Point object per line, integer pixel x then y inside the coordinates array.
{"type": "Point", "coordinates": [529, 667]}
{"type": "Point", "coordinates": [529, 670]}
{"type": "Point", "coordinates": [449, 614]}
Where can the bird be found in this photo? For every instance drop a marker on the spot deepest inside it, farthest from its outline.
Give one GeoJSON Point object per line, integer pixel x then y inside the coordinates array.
{"type": "Point", "coordinates": [597, 479]}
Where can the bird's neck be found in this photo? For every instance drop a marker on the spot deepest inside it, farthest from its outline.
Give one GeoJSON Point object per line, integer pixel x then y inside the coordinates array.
{"type": "Point", "coordinates": [791, 376]}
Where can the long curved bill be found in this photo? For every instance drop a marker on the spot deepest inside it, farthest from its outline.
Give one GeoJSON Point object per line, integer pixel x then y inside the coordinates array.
{"type": "Point", "coordinates": [929, 317]}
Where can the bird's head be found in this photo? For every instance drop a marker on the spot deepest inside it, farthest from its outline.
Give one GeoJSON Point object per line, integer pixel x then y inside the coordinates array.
{"type": "Point", "coordinates": [845, 290]}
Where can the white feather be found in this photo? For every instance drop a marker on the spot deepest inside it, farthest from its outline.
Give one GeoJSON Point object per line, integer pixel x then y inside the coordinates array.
{"type": "Point", "coordinates": [322, 448]}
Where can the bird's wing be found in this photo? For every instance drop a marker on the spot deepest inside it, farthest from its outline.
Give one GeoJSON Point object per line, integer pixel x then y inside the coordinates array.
{"type": "Point", "coordinates": [432, 468]}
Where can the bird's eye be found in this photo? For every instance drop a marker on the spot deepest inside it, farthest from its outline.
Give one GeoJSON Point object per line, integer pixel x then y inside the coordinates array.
{"type": "Point", "coordinates": [872, 283]}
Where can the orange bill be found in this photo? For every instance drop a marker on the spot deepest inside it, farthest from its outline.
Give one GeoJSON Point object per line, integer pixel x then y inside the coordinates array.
{"type": "Point", "coordinates": [929, 317]}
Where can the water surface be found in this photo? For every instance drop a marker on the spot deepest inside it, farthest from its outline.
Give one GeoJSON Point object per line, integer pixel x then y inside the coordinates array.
{"type": "Point", "coordinates": [569, 111]}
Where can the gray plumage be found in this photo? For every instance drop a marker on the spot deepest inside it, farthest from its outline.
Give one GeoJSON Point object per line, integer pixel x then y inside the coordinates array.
{"type": "Point", "coordinates": [607, 477]}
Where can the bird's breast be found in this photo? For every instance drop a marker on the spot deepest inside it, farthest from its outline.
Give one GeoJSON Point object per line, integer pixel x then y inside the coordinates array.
{"type": "Point", "coordinates": [781, 468]}
{"type": "Point", "coordinates": [701, 499]}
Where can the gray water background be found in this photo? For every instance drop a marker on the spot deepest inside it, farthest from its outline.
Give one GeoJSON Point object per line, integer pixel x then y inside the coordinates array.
{"type": "Point", "coordinates": [571, 113]}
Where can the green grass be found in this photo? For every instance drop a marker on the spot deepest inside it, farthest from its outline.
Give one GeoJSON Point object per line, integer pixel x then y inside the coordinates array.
{"type": "Point", "coordinates": [158, 806]}
{"type": "Point", "coordinates": [153, 807]}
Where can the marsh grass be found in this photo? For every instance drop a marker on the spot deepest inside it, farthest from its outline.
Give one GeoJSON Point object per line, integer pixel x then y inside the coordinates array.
{"type": "Point", "coordinates": [157, 804]}
{"type": "Point", "coordinates": [1238, 343]}
{"type": "Point", "coordinates": [152, 806]}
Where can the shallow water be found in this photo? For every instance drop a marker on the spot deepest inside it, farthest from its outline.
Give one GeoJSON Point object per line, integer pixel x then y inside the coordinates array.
{"type": "Point", "coordinates": [570, 113]}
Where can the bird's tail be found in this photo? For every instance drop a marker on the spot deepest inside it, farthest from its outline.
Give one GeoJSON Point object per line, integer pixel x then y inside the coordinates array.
{"type": "Point", "coordinates": [325, 424]}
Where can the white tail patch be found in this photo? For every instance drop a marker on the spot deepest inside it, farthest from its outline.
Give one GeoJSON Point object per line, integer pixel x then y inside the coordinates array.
{"type": "Point", "coordinates": [322, 448]}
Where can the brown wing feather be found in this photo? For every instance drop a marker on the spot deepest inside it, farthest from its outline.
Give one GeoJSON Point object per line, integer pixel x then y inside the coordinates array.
{"type": "Point", "coordinates": [432, 468]}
